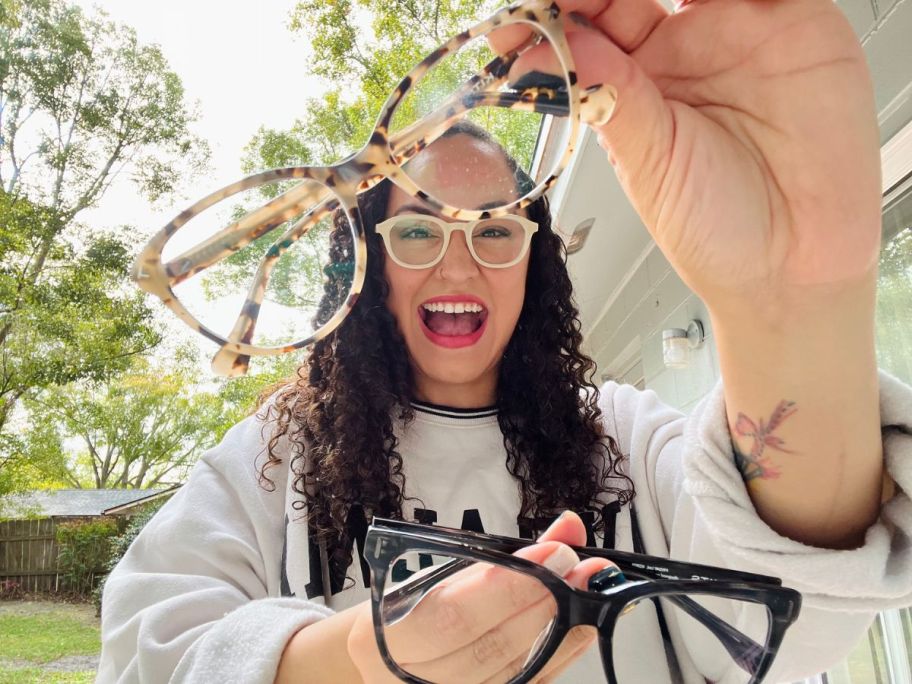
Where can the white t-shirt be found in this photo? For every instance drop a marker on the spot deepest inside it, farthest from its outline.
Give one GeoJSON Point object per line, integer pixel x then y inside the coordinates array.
{"type": "Point", "coordinates": [224, 575]}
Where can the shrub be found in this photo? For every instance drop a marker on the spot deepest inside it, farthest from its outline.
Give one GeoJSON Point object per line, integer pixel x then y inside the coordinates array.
{"type": "Point", "coordinates": [83, 550]}
{"type": "Point", "coordinates": [10, 590]}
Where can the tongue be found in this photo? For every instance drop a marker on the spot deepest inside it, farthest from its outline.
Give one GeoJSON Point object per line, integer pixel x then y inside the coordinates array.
{"type": "Point", "coordinates": [452, 324]}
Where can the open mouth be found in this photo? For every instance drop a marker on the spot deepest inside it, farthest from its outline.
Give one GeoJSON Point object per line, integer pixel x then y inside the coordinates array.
{"type": "Point", "coordinates": [454, 318]}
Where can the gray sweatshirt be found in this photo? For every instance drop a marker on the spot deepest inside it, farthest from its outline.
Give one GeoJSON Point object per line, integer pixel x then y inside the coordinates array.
{"type": "Point", "coordinates": [223, 576]}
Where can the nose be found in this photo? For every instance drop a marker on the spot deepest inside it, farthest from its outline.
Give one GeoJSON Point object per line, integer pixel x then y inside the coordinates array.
{"type": "Point", "coordinates": [457, 263]}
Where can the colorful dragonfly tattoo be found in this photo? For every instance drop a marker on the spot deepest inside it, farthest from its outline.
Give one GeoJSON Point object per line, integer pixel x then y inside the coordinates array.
{"type": "Point", "coordinates": [757, 463]}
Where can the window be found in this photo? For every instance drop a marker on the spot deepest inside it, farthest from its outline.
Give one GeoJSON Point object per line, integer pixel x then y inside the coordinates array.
{"type": "Point", "coordinates": [894, 289]}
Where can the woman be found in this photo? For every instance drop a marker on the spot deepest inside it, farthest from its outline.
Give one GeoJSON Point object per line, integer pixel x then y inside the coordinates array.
{"type": "Point", "coordinates": [772, 224]}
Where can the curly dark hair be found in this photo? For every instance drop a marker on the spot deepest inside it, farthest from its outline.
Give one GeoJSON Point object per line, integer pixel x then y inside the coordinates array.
{"type": "Point", "coordinates": [338, 414]}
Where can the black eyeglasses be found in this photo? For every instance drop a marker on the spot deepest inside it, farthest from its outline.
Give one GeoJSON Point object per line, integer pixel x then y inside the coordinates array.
{"type": "Point", "coordinates": [734, 618]}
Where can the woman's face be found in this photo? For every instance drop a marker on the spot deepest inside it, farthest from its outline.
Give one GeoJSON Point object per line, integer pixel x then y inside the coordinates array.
{"type": "Point", "coordinates": [455, 356]}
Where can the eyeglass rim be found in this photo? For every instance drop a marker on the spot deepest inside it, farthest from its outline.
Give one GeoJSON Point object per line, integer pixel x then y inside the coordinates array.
{"type": "Point", "coordinates": [512, 544]}
{"type": "Point", "coordinates": [384, 542]}
{"type": "Point", "coordinates": [383, 229]}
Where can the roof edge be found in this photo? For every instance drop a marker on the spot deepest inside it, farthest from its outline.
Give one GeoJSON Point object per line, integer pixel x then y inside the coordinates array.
{"type": "Point", "coordinates": [114, 510]}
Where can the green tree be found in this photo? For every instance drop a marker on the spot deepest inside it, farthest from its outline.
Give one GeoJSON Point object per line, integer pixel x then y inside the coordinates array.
{"type": "Point", "coordinates": [242, 395]}
{"type": "Point", "coordinates": [81, 103]}
{"type": "Point", "coordinates": [360, 69]}
{"type": "Point", "coordinates": [143, 428]}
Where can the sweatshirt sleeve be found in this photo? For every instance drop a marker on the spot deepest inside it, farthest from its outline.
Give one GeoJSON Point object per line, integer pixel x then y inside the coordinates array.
{"type": "Point", "coordinates": [693, 505]}
{"type": "Point", "coordinates": [190, 600]}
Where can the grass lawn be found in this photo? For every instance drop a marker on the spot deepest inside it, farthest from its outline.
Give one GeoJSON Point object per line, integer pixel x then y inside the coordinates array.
{"type": "Point", "coordinates": [38, 633]}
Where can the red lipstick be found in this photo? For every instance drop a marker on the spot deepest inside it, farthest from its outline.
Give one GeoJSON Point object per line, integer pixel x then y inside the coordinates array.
{"type": "Point", "coordinates": [453, 341]}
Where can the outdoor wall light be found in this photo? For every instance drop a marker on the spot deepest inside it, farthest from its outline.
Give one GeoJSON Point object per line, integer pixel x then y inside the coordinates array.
{"type": "Point", "coordinates": [677, 343]}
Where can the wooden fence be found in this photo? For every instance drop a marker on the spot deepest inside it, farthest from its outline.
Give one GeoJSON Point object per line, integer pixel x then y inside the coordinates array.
{"type": "Point", "coordinates": [28, 554]}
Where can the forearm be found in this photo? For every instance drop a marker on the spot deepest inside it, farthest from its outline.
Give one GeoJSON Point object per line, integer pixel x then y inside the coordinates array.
{"type": "Point", "coordinates": [318, 653]}
{"type": "Point", "coordinates": [802, 401]}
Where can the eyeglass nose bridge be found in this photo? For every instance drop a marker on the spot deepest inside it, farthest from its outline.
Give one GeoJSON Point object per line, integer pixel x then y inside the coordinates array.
{"type": "Point", "coordinates": [465, 228]}
{"type": "Point", "coordinates": [593, 610]}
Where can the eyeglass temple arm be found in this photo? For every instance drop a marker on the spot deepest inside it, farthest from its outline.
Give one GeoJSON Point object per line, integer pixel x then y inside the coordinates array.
{"type": "Point", "coordinates": [546, 97]}
{"type": "Point", "coordinates": [228, 362]}
{"type": "Point", "coordinates": [650, 567]}
{"type": "Point", "coordinates": [245, 230]}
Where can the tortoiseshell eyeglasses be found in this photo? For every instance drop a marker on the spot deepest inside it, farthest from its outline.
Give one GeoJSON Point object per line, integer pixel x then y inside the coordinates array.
{"type": "Point", "coordinates": [258, 266]}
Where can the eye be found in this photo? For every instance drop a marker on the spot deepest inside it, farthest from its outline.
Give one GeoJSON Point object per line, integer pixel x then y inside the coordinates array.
{"type": "Point", "coordinates": [495, 231]}
{"type": "Point", "coordinates": [416, 228]}
{"type": "Point", "coordinates": [415, 233]}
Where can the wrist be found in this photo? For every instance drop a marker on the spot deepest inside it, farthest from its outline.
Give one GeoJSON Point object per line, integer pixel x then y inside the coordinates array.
{"type": "Point", "coordinates": [770, 311]}
{"type": "Point", "coordinates": [318, 653]}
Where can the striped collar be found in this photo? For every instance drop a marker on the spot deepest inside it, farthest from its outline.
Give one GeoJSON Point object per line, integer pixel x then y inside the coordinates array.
{"type": "Point", "coordinates": [450, 412]}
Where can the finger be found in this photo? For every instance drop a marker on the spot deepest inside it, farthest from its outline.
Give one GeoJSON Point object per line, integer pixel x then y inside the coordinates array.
{"type": "Point", "coordinates": [626, 22]}
{"type": "Point", "coordinates": [473, 602]}
{"type": "Point", "coordinates": [508, 642]}
{"type": "Point", "coordinates": [574, 643]}
{"type": "Point", "coordinates": [567, 528]}
{"type": "Point", "coordinates": [578, 640]}
{"type": "Point", "coordinates": [579, 576]}
{"type": "Point", "coordinates": [507, 38]}
{"type": "Point", "coordinates": [640, 133]}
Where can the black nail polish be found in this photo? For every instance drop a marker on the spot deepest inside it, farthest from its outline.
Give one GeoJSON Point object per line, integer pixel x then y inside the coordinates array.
{"type": "Point", "coordinates": [539, 79]}
{"type": "Point", "coordinates": [581, 19]}
{"type": "Point", "coordinates": [606, 579]}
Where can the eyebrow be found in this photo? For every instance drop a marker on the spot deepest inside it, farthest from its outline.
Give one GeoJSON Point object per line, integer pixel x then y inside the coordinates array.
{"type": "Point", "coordinates": [413, 208]}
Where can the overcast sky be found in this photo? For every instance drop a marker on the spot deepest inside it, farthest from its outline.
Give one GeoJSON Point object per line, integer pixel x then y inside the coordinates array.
{"type": "Point", "coordinates": [238, 60]}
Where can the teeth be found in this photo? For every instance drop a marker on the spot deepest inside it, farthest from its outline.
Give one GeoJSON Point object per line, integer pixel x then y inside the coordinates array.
{"type": "Point", "coordinates": [454, 307]}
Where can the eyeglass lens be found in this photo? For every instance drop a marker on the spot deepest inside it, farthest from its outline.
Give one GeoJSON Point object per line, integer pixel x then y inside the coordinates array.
{"type": "Point", "coordinates": [484, 619]}
{"type": "Point", "coordinates": [725, 639]}
{"type": "Point", "coordinates": [289, 268]}
{"type": "Point", "coordinates": [417, 241]}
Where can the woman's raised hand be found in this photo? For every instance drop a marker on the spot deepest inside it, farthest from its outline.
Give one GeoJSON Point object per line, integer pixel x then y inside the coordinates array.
{"type": "Point", "coordinates": [746, 137]}
{"type": "Point", "coordinates": [480, 624]}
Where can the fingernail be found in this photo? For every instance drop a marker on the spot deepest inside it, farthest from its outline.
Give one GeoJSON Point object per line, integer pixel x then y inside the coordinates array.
{"type": "Point", "coordinates": [606, 579]}
{"type": "Point", "coordinates": [538, 79]}
{"type": "Point", "coordinates": [581, 20]}
{"type": "Point", "coordinates": [562, 560]}
{"type": "Point", "coordinates": [554, 524]}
